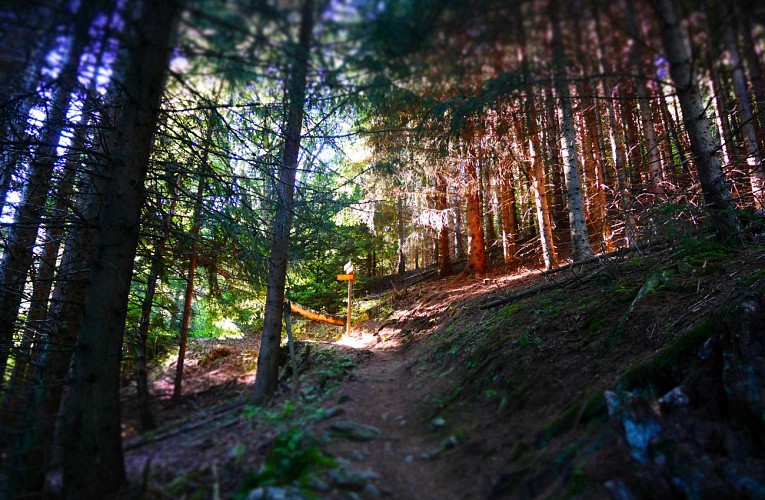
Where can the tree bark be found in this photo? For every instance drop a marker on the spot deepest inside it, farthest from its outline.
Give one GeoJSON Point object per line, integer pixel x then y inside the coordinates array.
{"type": "Point", "coordinates": [477, 251]}
{"type": "Point", "coordinates": [617, 146]}
{"type": "Point", "coordinates": [655, 173]}
{"type": "Point", "coordinates": [577, 221]}
{"type": "Point", "coordinates": [94, 466]}
{"type": "Point", "coordinates": [714, 187]}
{"type": "Point", "coordinates": [754, 158]}
{"type": "Point", "coordinates": [18, 255]}
{"type": "Point", "coordinates": [193, 259]}
{"type": "Point", "coordinates": [267, 375]}
{"type": "Point", "coordinates": [444, 257]}
{"type": "Point", "coordinates": [401, 257]}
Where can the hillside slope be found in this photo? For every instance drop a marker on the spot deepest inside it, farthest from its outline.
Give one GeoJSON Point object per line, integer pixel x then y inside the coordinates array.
{"type": "Point", "coordinates": [632, 376]}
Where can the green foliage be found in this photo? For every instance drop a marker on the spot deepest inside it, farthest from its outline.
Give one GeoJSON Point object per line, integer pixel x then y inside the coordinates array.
{"type": "Point", "coordinates": [294, 460]}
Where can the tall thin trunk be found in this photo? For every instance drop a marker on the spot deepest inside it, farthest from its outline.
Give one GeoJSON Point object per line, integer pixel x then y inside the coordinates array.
{"type": "Point", "coordinates": [577, 220]}
{"type": "Point", "coordinates": [544, 223]}
{"type": "Point", "coordinates": [490, 232]}
{"type": "Point", "coordinates": [459, 249]}
{"type": "Point", "coordinates": [644, 105]}
{"type": "Point", "coordinates": [401, 235]}
{"type": "Point", "coordinates": [58, 337]}
{"type": "Point", "coordinates": [91, 429]}
{"type": "Point", "coordinates": [189, 294]}
{"type": "Point", "coordinates": [617, 146]}
{"type": "Point", "coordinates": [268, 359]}
{"type": "Point", "coordinates": [507, 211]}
{"type": "Point", "coordinates": [157, 263]}
{"type": "Point", "coordinates": [477, 252]}
{"type": "Point", "coordinates": [534, 155]}
{"type": "Point", "coordinates": [754, 157]}
{"type": "Point", "coordinates": [18, 255]}
{"type": "Point", "coordinates": [444, 258]}
{"type": "Point", "coordinates": [754, 65]}
{"type": "Point", "coordinates": [714, 187]}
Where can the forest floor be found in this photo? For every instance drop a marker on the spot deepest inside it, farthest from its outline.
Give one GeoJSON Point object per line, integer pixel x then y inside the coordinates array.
{"type": "Point", "coordinates": [439, 394]}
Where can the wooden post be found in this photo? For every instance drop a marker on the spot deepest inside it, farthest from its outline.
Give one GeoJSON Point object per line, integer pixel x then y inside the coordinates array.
{"type": "Point", "coordinates": [349, 276]}
{"type": "Point", "coordinates": [350, 308]}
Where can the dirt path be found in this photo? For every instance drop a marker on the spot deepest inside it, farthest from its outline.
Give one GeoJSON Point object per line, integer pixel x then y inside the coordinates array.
{"type": "Point", "coordinates": [383, 392]}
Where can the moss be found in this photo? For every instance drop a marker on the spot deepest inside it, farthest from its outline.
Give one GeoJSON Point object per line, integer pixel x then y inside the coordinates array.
{"type": "Point", "coordinates": [579, 412]}
{"type": "Point", "coordinates": [668, 368]}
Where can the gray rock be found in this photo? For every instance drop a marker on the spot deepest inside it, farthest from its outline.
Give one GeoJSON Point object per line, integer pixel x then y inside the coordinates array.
{"type": "Point", "coordinates": [354, 431]}
{"type": "Point", "coordinates": [675, 398]}
{"type": "Point", "coordinates": [274, 493]}
{"type": "Point", "coordinates": [349, 479]}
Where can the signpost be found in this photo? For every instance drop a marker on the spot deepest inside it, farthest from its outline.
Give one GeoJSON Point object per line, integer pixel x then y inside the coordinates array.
{"type": "Point", "coordinates": [349, 276]}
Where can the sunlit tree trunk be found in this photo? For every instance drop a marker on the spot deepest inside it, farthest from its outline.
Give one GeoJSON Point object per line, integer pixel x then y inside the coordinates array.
{"type": "Point", "coordinates": [444, 256]}
{"type": "Point", "coordinates": [477, 252]}
{"type": "Point", "coordinates": [94, 466]}
{"type": "Point", "coordinates": [714, 187]}
{"type": "Point", "coordinates": [267, 376]}
{"type": "Point", "coordinates": [544, 222]}
{"type": "Point", "coordinates": [459, 249]}
{"type": "Point", "coordinates": [490, 232]}
{"type": "Point", "coordinates": [577, 221]}
{"type": "Point", "coordinates": [507, 210]}
{"type": "Point", "coordinates": [401, 235]}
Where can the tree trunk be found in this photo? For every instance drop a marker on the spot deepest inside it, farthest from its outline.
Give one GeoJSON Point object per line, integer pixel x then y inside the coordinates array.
{"type": "Point", "coordinates": [18, 255]}
{"type": "Point", "coordinates": [507, 211]}
{"type": "Point", "coordinates": [459, 249]}
{"type": "Point", "coordinates": [401, 262]}
{"type": "Point", "coordinates": [754, 157]}
{"type": "Point", "coordinates": [714, 187]}
{"type": "Point", "coordinates": [444, 258]}
{"type": "Point", "coordinates": [94, 466]}
{"type": "Point", "coordinates": [655, 173]}
{"type": "Point", "coordinates": [477, 252]}
{"type": "Point", "coordinates": [577, 221]}
{"type": "Point", "coordinates": [754, 65]}
{"type": "Point", "coordinates": [157, 263]}
{"type": "Point", "coordinates": [268, 359]}
{"type": "Point", "coordinates": [617, 146]}
{"type": "Point", "coordinates": [193, 259]}
{"type": "Point", "coordinates": [490, 232]}
{"type": "Point", "coordinates": [58, 338]}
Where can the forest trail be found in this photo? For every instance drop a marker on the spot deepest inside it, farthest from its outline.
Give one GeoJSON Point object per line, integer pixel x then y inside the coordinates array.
{"type": "Point", "coordinates": [383, 392]}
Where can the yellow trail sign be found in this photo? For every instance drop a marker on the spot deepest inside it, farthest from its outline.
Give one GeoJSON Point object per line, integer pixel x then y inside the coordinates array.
{"type": "Point", "coordinates": [346, 277]}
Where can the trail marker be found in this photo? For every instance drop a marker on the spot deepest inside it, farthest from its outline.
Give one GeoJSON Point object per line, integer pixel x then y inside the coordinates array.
{"type": "Point", "coordinates": [349, 269]}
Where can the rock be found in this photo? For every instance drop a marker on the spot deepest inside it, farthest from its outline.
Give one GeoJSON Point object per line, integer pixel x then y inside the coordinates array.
{"type": "Point", "coordinates": [437, 422]}
{"type": "Point", "coordinates": [637, 421]}
{"type": "Point", "coordinates": [354, 431]}
{"type": "Point", "coordinates": [674, 399]}
{"type": "Point", "coordinates": [618, 490]}
{"type": "Point", "coordinates": [371, 491]}
{"type": "Point", "coordinates": [274, 493]}
{"type": "Point", "coordinates": [344, 398]}
{"type": "Point", "coordinates": [357, 456]}
{"type": "Point", "coordinates": [409, 459]}
{"type": "Point", "coordinates": [349, 479]}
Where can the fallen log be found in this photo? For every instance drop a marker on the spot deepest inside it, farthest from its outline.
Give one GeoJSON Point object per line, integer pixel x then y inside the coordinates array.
{"type": "Point", "coordinates": [316, 315]}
